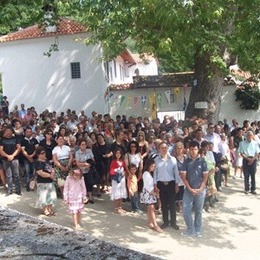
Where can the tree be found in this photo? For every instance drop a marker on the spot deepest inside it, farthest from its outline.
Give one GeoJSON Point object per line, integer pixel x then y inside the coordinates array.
{"type": "Point", "coordinates": [198, 34]}
{"type": "Point", "coordinates": [211, 33]}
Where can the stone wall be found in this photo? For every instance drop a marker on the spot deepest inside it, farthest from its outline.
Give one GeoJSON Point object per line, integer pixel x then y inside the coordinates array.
{"type": "Point", "coordinates": [25, 237]}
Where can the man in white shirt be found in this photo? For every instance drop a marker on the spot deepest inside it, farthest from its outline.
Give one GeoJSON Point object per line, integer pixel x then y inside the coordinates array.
{"type": "Point", "coordinates": [166, 180]}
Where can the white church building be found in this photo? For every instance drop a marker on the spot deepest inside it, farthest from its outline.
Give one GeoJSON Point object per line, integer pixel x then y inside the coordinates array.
{"type": "Point", "coordinates": [54, 69]}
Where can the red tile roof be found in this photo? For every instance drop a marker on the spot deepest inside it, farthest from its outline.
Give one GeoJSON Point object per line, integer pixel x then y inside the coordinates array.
{"type": "Point", "coordinates": [127, 56]}
{"type": "Point", "coordinates": [121, 86]}
{"type": "Point", "coordinates": [64, 27]}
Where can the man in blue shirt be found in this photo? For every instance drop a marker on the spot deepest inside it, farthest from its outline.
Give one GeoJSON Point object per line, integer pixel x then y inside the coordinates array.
{"type": "Point", "coordinates": [166, 179]}
{"type": "Point", "coordinates": [194, 175]}
{"type": "Point", "coordinates": [249, 150]}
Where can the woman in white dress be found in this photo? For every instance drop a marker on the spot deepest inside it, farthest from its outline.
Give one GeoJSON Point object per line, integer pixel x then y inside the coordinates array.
{"type": "Point", "coordinates": [148, 195]}
{"type": "Point", "coordinates": [117, 173]}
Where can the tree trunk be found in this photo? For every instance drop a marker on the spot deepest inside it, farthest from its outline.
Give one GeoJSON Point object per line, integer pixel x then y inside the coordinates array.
{"type": "Point", "coordinates": [207, 87]}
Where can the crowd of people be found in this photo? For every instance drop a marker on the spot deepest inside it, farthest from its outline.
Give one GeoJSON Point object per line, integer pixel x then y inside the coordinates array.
{"type": "Point", "coordinates": [170, 166]}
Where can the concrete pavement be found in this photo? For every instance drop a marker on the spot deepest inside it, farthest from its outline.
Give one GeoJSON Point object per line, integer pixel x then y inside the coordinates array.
{"type": "Point", "coordinates": [231, 229]}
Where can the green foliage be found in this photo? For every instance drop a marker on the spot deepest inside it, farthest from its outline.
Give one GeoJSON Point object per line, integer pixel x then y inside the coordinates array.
{"type": "Point", "coordinates": [175, 30]}
{"type": "Point", "coordinates": [54, 47]}
{"type": "Point", "coordinates": [172, 30]}
{"type": "Point", "coordinates": [249, 94]}
{"type": "Point", "coordinates": [15, 14]}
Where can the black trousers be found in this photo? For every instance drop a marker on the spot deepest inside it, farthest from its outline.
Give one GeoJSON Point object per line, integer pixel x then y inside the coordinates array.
{"type": "Point", "coordinates": [168, 197]}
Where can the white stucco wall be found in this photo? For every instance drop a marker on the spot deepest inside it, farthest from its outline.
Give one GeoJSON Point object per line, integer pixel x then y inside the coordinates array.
{"type": "Point", "coordinates": [31, 78]}
{"type": "Point", "coordinates": [132, 102]}
{"type": "Point", "coordinates": [128, 70]}
{"type": "Point", "coordinates": [229, 107]}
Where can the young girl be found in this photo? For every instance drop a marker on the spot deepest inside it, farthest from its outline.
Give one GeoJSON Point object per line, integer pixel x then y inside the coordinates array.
{"type": "Point", "coordinates": [117, 172]}
{"type": "Point", "coordinates": [75, 195]}
{"type": "Point", "coordinates": [132, 185]}
{"type": "Point", "coordinates": [148, 195]}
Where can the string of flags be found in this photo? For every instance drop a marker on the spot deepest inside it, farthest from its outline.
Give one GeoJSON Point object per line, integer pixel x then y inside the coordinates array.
{"type": "Point", "coordinates": [153, 100]}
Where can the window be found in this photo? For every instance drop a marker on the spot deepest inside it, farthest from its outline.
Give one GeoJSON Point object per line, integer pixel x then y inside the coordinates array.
{"type": "Point", "coordinates": [115, 68]}
{"type": "Point", "coordinates": [121, 72]}
{"type": "Point", "coordinates": [75, 70]}
{"type": "Point", "coordinates": [111, 73]}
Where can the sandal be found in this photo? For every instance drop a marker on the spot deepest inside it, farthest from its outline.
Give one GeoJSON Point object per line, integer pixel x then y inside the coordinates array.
{"type": "Point", "coordinates": [158, 229]}
{"type": "Point", "coordinates": [150, 226]}
{"type": "Point", "coordinates": [117, 211]}
{"type": "Point", "coordinates": [53, 213]}
{"type": "Point", "coordinates": [121, 210]}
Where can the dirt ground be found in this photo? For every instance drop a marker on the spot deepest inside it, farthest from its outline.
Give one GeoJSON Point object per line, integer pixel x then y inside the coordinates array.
{"type": "Point", "coordinates": [231, 229]}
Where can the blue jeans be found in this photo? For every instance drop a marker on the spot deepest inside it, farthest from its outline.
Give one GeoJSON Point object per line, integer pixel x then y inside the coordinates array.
{"type": "Point", "coordinates": [12, 175]}
{"type": "Point", "coordinates": [135, 202]}
{"type": "Point", "coordinates": [190, 200]}
{"type": "Point", "coordinates": [249, 170]}
{"type": "Point", "coordinates": [29, 171]}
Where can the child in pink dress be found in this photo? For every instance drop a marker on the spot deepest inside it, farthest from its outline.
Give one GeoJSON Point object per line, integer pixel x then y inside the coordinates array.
{"type": "Point", "coordinates": [74, 195]}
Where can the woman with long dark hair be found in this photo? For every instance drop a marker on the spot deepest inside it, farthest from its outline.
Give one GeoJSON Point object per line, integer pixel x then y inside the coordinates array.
{"type": "Point", "coordinates": [148, 195]}
{"type": "Point", "coordinates": [117, 172]}
{"type": "Point", "coordinates": [103, 154]}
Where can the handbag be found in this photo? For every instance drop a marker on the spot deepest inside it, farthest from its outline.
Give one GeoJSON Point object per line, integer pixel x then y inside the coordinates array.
{"type": "Point", "coordinates": [32, 184]}
{"type": "Point", "coordinates": [92, 176]}
{"type": "Point", "coordinates": [60, 182]}
{"type": "Point", "coordinates": [118, 176]}
{"type": "Point", "coordinates": [147, 198]}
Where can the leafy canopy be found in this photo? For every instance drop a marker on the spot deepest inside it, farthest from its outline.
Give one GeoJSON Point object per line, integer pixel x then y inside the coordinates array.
{"type": "Point", "coordinates": [174, 30]}
{"type": "Point", "coordinates": [178, 28]}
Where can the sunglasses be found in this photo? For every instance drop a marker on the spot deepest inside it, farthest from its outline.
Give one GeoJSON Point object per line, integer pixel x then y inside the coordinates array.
{"type": "Point", "coordinates": [133, 146]}
{"type": "Point", "coordinates": [49, 134]}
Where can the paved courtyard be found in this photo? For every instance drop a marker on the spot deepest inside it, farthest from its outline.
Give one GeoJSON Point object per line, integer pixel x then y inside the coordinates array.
{"type": "Point", "coordinates": [231, 229]}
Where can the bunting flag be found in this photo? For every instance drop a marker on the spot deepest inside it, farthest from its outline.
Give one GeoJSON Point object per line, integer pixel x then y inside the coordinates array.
{"type": "Point", "coordinates": [159, 99]}
{"type": "Point", "coordinates": [185, 86]}
{"type": "Point", "coordinates": [152, 101]}
{"type": "Point", "coordinates": [135, 101]}
{"type": "Point", "coordinates": [177, 91]}
{"type": "Point", "coordinates": [108, 97]}
{"type": "Point", "coordinates": [128, 101]}
{"type": "Point", "coordinates": [122, 100]}
{"type": "Point", "coordinates": [143, 99]}
{"type": "Point", "coordinates": [168, 95]}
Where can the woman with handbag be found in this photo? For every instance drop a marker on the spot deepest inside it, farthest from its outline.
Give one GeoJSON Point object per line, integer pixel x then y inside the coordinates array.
{"type": "Point", "coordinates": [62, 159]}
{"type": "Point", "coordinates": [148, 195]}
{"type": "Point", "coordinates": [85, 160]}
{"type": "Point", "coordinates": [46, 192]}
